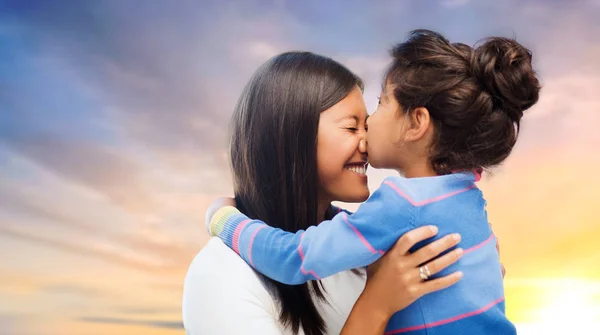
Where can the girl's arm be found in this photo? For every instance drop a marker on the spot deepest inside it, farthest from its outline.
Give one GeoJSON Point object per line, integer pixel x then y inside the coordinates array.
{"type": "Point", "coordinates": [343, 243]}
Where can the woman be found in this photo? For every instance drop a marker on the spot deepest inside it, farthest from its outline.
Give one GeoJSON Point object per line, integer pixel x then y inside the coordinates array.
{"type": "Point", "coordinates": [297, 145]}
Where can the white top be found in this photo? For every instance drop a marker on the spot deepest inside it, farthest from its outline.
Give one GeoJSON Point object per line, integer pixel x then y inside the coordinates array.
{"type": "Point", "coordinates": [223, 295]}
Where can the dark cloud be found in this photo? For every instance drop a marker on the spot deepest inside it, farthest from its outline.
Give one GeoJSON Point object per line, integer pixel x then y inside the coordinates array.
{"type": "Point", "coordinates": [123, 321]}
{"type": "Point", "coordinates": [94, 165]}
{"type": "Point", "coordinates": [148, 310]}
{"type": "Point", "coordinates": [157, 267]}
{"type": "Point", "coordinates": [15, 201]}
{"type": "Point", "coordinates": [170, 75]}
{"type": "Point", "coordinates": [151, 69]}
{"type": "Point", "coordinates": [164, 64]}
{"type": "Point", "coordinates": [71, 289]}
{"type": "Point", "coordinates": [12, 324]}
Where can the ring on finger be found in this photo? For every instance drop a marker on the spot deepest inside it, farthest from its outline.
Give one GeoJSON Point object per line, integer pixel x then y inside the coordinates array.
{"type": "Point", "coordinates": [424, 272]}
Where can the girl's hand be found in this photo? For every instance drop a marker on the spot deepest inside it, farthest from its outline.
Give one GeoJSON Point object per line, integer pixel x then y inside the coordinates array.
{"type": "Point", "coordinates": [215, 206]}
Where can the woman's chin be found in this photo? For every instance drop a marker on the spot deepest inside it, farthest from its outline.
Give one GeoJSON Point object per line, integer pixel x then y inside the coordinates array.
{"type": "Point", "coordinates": [357, 197]}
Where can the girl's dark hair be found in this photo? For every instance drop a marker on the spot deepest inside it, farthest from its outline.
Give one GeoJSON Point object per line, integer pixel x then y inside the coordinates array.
{"type": "Point", "coordinates": [274, 157]}
{"type": "Point", "coordinates": [475, 97]}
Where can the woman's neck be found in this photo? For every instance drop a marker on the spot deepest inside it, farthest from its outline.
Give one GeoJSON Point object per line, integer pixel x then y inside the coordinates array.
{"type": "Point", "coordinates": [323, 204]}
{"type": "Point", "coordinates": [322, 213]}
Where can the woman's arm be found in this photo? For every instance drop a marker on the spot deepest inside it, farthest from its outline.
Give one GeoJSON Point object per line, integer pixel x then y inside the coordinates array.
{"type": "Point", "coordinates": [342, 243]}
{"type": "Point", "coordinates": [393, 282]}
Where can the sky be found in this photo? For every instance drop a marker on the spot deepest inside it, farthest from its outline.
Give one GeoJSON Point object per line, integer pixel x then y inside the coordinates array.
{"type": "Point", "coordinates": [113, 136]}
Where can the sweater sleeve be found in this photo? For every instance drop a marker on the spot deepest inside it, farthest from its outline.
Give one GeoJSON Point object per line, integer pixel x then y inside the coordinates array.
{"type": "Point", "coordinates": [338, 210]}
{"type": "Point", "coordinates": [343, 243]}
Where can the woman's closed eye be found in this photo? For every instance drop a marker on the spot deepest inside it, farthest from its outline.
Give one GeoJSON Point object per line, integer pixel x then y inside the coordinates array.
{"type": "Point", "coordinates": [356, 129]}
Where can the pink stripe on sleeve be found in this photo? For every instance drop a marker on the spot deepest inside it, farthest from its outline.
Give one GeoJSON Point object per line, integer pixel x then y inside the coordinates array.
{"type": "Point", "coordinates": [236, 236]}
{"type": "Point", "coordinates": [361, 237]}
{"type": "Point", "coordinates": [445, 321]}
{"type": "Point", "coordinates": [252, 242]}
{"type": "Point", "coordinates": [428, 201]}
{"type": "Point", "coordinates": [304, 271]}
{"type": "Point", "coordinates": [491, 238]}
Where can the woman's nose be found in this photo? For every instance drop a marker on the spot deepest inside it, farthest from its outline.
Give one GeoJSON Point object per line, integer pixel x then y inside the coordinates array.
{"type": "Point", "coordinates": [362, 145]}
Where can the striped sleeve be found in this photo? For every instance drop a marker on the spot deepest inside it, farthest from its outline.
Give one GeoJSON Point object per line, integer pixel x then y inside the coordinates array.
{"type": "Point", "coordinates": [343, 243]}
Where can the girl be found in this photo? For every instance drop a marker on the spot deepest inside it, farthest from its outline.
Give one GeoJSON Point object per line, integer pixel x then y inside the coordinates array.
{"type": "Point", "coordinates": [446, 110]}
{"type": "Point", "coordinates": [290, 152]}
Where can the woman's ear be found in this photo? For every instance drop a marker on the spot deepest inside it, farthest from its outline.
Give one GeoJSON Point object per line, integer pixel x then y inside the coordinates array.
{"type": "Point", "coordinates": [420, 121]}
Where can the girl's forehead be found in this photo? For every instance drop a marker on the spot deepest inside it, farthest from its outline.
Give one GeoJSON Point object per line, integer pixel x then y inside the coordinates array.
{"type": "Point", "coordinates": [387, 88]}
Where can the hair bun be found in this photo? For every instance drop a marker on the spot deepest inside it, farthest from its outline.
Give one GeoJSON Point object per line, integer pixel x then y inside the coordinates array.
{"type": "Point", "coordinates": [503, 68]}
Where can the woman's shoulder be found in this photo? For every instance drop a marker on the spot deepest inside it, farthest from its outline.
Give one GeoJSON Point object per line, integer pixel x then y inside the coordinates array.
{"type": "Point", "coordinates": [220, 286]}
{"type": "Point", "coordinates": [220, 283]}
{"type": "Point", "coordinates": [213, 253]}
{"type": "Point", "coordinates": [217, 264]}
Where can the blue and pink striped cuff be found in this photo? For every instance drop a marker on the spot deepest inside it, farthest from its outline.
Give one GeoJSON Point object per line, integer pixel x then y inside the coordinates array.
{"type": "Point", "coordinates": [225, 223]}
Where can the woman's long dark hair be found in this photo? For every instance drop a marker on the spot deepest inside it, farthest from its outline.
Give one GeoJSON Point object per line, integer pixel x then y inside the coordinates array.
{"type": "Point", "coordinates": [274, 157]}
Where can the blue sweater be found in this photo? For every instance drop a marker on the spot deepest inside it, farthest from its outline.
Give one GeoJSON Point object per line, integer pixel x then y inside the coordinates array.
{"type": "Point", "coordinates": [475, 305]}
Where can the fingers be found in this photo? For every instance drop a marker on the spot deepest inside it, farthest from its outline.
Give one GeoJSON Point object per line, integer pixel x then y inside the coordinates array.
{"type": "Point", "coordinates": [214, 208]}
{"type": "Point", "coordinates": [440, 283]}
{"type": "Point", "coordinates": [497, 245]}
{"type": "Point", "coordinates": [227, 201]}
{"type": "Point", "coordinates": [413, 237]}
{"type": "Point", "coordinates": [443, 262]}
{"type": "Point", "coordinates": [434, 248]}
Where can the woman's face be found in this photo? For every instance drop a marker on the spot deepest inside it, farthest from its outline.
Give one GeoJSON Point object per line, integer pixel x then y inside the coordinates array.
{"type": "Point", "coordinates": [342, 152]}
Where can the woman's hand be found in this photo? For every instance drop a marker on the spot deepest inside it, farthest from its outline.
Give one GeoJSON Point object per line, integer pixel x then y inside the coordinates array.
{"type": "Point", "coordinates": [394, 281]}
{"type": "Point", "coordinates": [215, 206]}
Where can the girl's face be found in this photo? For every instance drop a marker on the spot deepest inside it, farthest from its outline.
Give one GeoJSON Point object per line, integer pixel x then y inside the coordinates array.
{"type": "Point", "coordinates": [387, 126]}
{"type": "Point", "coordinates": [341, 150]}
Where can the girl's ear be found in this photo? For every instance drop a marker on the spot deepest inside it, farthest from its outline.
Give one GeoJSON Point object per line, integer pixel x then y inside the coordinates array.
{"type": "Point", "coordinates": [420, 121]}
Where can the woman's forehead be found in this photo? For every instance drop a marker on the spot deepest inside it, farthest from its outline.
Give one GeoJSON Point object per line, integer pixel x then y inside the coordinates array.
{"type": "Point", "coordinates": [351, 107]}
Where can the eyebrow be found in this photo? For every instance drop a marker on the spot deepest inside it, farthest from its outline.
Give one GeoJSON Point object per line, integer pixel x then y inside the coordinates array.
{"type": "Point", "coordinates": [349, 117]}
